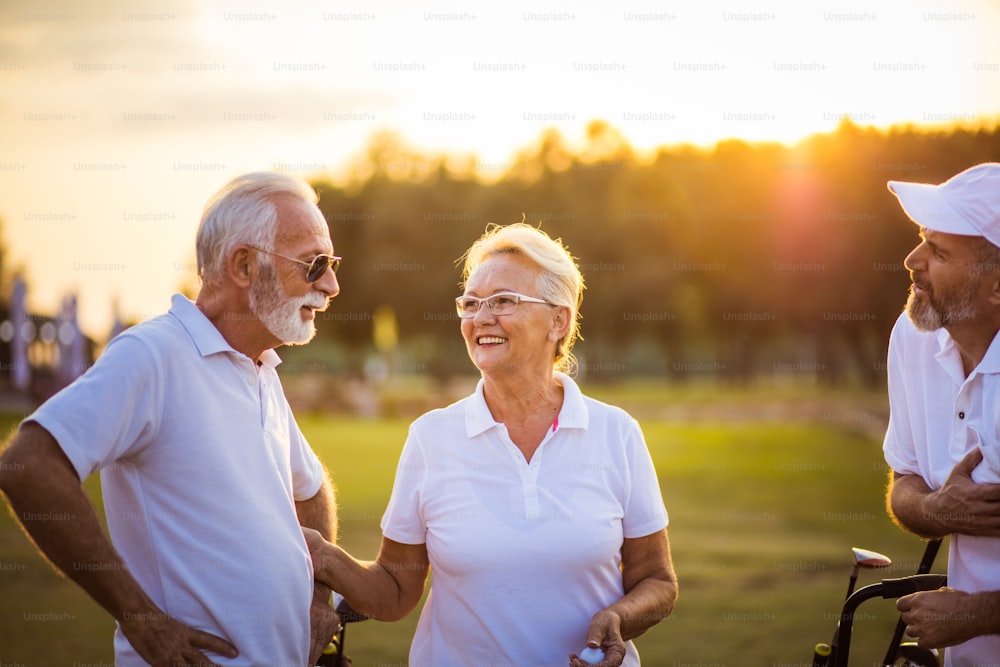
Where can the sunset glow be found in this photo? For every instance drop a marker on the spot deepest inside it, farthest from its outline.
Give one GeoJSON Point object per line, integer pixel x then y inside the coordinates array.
{"type": "Point", "coordinates": [118, 121]}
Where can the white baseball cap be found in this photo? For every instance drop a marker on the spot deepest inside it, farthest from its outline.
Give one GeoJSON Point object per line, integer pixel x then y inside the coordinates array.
{"type": "Point", "coordinates": [967, 204]}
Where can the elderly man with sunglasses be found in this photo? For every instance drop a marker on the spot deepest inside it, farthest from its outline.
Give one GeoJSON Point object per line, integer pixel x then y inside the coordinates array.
{"type": "Point", "coordinates": [206, 477]}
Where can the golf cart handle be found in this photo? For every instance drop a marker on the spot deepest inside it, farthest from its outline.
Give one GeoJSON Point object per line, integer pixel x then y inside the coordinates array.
{"type": "Point", "coordinates": [349, 614]}
{"type": "Point", "coordinates": [897, 588]}
{"type": "Point", "coordinates": [888, 588]}
{"type": "Point", "coordinates": [930, 553]}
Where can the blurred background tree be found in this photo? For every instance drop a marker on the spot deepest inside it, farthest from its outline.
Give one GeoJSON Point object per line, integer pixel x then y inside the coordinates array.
{"type": "Point", "coordinates": [738, 260]}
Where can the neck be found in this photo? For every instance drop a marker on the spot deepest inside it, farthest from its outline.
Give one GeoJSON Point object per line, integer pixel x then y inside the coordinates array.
{"type": "Point", "coordinates": [515, 398]}
{"type": "Point", "coordinates": [973, 341]}
{"type": "Point", "coordinates": [230, 312]}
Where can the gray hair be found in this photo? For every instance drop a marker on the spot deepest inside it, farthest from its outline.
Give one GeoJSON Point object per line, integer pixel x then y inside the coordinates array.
{"type": "Point", "coordinates": [560, 281]}
{"type": "Point", "coordinates": [243, 211]}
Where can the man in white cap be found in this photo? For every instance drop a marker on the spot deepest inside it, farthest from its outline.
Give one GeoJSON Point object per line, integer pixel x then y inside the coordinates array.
{"type": "Point", "coordinates": [944, 395]}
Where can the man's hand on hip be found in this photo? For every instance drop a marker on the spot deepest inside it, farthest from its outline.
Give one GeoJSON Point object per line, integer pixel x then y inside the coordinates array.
{"type": "Point", "coordinates": [324, 622]}
{"type": "Point", "coordinates": [164, 641]}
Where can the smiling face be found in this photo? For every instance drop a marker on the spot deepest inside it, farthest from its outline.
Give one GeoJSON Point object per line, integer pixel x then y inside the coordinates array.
{"type": "Point", "coordinates": [947, 287]}
{"type": "Point", "coordinates": [523, 341]}
{"type": "Point", "coordinates": [281, 297]}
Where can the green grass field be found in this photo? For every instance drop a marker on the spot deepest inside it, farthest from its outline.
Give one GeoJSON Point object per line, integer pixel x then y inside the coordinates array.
{"type": "Point", "coordinates": [764, 508]}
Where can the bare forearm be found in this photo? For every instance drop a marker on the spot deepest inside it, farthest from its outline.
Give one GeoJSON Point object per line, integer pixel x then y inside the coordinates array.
{"type": "Point", "coordinates": [651, 601]}
{"type": "Point", "coordinates": [45, 495]}
{"type": "Point", "coordinates": [925, 512]}
{"type": "Point", "coordinates": [386, 589]}
{"type": "Point", "coordinates": [650, 584]}
{"type": "Point", "coordinates": [909, 504]}
{"type": "Point", "coordinates": [72, 539]}
{"type": "Point", "coordinates": [958, 506]}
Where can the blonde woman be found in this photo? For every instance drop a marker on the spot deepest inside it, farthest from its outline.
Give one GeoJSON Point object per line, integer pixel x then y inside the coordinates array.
{"type": "Point", "coordinates": [538, 508]}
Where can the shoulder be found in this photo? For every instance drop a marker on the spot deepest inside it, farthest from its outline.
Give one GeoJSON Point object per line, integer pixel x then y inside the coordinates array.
{"type": "Point", "coordinates": [611, 429]}
{"type": "Point", "coordinates": [578, 407]}
{"type": "Point", "coordinates": [905, 337]}
{"type": "Point", "coordinates": [606, 410]}
{"type": "Point", "coordinates": [453, 415]}
{"type": "Point", "coordinates": [152, 338]}
{"type": "Point", "coordinates": [159, 338]}
{"type": "Point", "coordinates": [902, 328]}
{"type": "Point", "coordinates": [610, 422]}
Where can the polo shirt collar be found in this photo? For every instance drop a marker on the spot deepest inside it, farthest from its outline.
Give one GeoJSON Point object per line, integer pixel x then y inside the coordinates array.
{"type": "Point", "coordinates": [206, 337]}
{"type": "Point", "coordinates": [573, 413]}
{"type": "Point", "coordinates": [950, 358]}
{"type": "Point", "coordinates": [991, 362]}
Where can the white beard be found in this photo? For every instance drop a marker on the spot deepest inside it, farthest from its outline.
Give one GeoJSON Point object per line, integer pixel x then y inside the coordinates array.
{"type": "Point", "coordinates": [281, 314]}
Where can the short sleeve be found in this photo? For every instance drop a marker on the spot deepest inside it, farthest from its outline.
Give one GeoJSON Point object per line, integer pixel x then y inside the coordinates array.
{"type": "Point", "coordinates": [112, 411]}
{"type": "Point", "coordinates": [307, 470]}
{"type": "Point", "coordinates": [403, 520]}
{"type": "Point", "coordinates": [897, 447]}
{"type": "Point", "coordinates": [645, 513]}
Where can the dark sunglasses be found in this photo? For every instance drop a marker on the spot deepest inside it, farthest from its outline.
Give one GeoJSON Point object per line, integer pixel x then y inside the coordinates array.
{"type": "Point", "coordinates": [316, 268]}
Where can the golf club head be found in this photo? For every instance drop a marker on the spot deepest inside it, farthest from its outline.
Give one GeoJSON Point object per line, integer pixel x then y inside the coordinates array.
{"type": "Point", "coordinates": [869, 559]}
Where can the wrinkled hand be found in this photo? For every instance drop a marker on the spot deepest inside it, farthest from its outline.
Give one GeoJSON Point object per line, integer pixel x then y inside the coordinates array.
{"type": "Point", "coordinates": [323, 619]}
{"type": "Point", "coordinates": [316, 543]}
{"type": "Point", "coordinates": [323, 623]}
{"type": "Point", "coordinates": [165, 642]}
{"type": "Point", "coordinates": [605, 633]}
{"type": "Point", "coordinates": [963, 506]}
{"type": "Point", "coordinates": [941, 618]}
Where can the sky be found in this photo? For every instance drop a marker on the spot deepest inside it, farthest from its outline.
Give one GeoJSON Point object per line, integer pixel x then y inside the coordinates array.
{"type": "Point", "coordinates": [119, 119]}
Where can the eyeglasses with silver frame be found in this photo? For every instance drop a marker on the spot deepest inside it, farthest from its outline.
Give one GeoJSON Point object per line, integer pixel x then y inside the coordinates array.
{"type": "Point", "coordinates": [502, 303]}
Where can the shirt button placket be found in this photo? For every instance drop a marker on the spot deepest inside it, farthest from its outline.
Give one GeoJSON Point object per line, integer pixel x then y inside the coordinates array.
{"type": "Point", "coordinates": [959, 424]}
{"type": "Point", "coordinates": [253, 381]}
{"type": "Point", "coordinates": [529, 483]}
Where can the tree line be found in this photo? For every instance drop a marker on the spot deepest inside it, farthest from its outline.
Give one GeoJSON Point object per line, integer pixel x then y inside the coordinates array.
{"type": "Point", "coordinates": [731, 261]}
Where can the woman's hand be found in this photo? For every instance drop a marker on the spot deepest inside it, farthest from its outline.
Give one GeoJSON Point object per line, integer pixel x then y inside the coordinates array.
{"type": "Point", "coordinates": [318, 553]}
{"type": "Point", "coordinates": [604, 633]}
{"type": "Point", "coordinates": [650, 592]}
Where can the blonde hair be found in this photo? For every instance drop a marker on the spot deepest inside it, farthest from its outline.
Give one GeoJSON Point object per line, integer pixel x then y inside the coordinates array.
{"type": "Point", "coordinates": [559, 282]}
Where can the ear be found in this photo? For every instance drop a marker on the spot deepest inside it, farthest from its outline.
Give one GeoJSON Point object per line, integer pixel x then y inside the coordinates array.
{"type": "Point", "coordinates": [560, 323]}
{"type": "Point", "coordinates": [240, 266]}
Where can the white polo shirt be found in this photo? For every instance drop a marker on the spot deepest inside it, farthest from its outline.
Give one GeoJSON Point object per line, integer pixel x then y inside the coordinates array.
{"type": "Point", "coordinates": [937, 416]}
{"type": "Point", "coordinates": [523, 554]}
{"type": "Point", "coordinates": [201, 462]}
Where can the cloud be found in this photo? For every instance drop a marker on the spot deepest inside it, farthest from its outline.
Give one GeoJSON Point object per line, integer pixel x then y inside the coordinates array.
{"type": "Point", "coordinates": [121, 71]}
{"type": "Point", "coordinates": [53, 34]}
